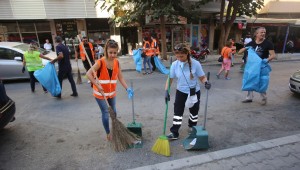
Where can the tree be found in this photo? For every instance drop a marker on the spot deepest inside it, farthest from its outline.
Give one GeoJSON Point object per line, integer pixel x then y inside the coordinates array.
{"type": "Point", "coordinates": [129, 11]}
{"type": "Point", "coordinates": [235, 8]}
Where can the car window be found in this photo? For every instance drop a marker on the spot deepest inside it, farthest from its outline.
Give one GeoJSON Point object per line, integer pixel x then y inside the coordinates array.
{"type": "Point", "coordinates": [8, 54]}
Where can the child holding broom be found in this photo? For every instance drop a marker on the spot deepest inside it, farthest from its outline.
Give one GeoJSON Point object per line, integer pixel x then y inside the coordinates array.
{"type": "Point", "coordinates": [108, 72]}
{"type": "Point", "coordinates": [188, 71]}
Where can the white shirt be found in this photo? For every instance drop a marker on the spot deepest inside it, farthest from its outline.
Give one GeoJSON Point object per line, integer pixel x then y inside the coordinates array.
{"type": "Point", "coordinates": [47, 46]}
{"type": "Point", "coordinates": [101, 51]}
{"type": "Point", "coordinates": [181, 71]}
{"type": "Point", "coordinates": [247, 40]}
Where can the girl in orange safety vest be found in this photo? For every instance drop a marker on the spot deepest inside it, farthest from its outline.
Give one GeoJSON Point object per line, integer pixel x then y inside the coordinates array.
{"type": "Point", "coordinates": [149, 53]}
{"type": "Point", "coordinates": [108, 72]}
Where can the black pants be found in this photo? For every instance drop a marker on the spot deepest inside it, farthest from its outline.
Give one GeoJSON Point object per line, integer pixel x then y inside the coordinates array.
{"type": "Point", "coordinates": [87, 65]}
{"type": "Point", "coordinates": [33, 80]}
{"type": "Point", "coordinates": [153, 63]}
{"type": "Point", "coordinates": [179, 106]}
{"type": "Point", "coordinates": [68, 74]}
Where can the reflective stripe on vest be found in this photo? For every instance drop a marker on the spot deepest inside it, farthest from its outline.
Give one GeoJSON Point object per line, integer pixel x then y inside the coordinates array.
{"type": "Point", "coordinates": [33, 60]}
{"type": "Point", "coordinates": [81, 51]}
{"type": "Point", "coordinates": [108, 85]}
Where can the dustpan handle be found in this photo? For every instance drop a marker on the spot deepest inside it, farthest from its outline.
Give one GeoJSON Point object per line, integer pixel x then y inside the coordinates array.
{"type": "Point", "coordinates": [133, 116]}
{"type": "Point", "coordinates": [206, 101]}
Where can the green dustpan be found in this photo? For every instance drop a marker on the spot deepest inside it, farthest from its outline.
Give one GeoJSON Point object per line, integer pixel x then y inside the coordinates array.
{"type": "Point", "coordinates": [134, 127]}
{"type": "Point", "coordinates": [198, 138]}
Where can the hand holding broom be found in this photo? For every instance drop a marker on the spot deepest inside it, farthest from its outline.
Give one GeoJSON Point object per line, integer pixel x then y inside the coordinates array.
{"type": "Point", "coordinates": [122, 138]}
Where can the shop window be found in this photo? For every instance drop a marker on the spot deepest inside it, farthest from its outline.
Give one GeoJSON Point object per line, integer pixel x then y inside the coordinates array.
{"type": "Point", "coordinates": [29, 37]}
{"type": "Point", "coordinates": [26, 27]}
{"type": "Point", "coordinates": [13, 37]}
{"type": "Point", "coordinates": [10, 27]}
{"type": "Point", "coordinates": [42, 26]}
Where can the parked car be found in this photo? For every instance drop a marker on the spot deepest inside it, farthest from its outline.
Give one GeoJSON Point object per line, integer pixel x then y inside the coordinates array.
{"type": "Point", "coordinates": [11, 57]}
{"type": "Point", "coordinates": [295, 82]}
{"type": "Point", "coordinates": [7, 108]}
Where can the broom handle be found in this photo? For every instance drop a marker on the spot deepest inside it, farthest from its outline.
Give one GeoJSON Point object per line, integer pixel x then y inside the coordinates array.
{"type": "Point", "coordinates": [205, 109]}
{"type": "Point", "coordinates": [167, 104]}
{"type": "Point", "coordinates": [133, 117]}
{"type": "Point", "coordinates": [94, 72]}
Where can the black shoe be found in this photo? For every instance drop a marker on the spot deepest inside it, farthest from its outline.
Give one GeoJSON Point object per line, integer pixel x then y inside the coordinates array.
{"type": "Point", "coordinates": [172, 136]}
{"type": "Point", "coordinates": [247, 101]}
{"type": "Point", "coordinates": [58, 96]}
{"type": "Point", "coordinates": [74, 94]}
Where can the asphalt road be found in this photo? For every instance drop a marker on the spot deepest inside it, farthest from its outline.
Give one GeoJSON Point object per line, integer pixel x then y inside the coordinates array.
{"type": "Point", "coordinates": [68, 133]}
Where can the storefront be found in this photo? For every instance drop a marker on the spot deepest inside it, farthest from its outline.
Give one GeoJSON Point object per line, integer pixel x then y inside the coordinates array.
{"type": "Point", "coordinates": [98, 30]}
{"type": "Point", "coordinates": [25, 31]}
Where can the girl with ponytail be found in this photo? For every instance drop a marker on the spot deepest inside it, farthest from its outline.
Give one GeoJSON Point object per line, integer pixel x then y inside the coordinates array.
{"type": "Point", "coordinates": [189, 74]}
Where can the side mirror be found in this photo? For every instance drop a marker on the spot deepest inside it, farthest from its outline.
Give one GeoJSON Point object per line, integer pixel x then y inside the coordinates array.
{"type": "Point", "coordinates": [18, 58]}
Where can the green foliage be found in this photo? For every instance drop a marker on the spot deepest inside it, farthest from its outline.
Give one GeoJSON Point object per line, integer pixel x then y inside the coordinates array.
{"type": "Point", "coordinates": [139, 8]}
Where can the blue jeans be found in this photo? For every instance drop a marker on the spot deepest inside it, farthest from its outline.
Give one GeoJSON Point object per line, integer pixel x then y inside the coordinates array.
{"type": "Point", "coordinates": [147, 60]}
{"type": "Point", "coordinates": [104, 109]}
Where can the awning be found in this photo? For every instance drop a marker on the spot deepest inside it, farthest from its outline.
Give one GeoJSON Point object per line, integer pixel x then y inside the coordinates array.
{"type": "Point", "coordinates": [273, 21]}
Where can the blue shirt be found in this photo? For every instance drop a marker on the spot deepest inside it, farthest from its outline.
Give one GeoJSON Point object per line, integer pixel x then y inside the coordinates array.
{"type": "Point", "coordinates": [64, 64]}
{"type": "Point", "coordinates": [181, 71]}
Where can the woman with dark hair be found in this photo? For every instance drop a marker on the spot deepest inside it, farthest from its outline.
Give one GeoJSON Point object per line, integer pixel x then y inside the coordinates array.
{"type": "Point", "coordinates": [188, 72]}
{"type": "Point", "coordinates": [108, 71]}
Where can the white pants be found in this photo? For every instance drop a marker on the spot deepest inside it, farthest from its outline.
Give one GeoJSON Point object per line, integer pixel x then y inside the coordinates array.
{"type": "Point", "coordinates": [250, 95]}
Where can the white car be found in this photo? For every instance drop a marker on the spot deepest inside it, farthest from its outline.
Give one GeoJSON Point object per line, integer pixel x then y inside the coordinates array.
{"type": "Point", "coordinates": [11, 57]}
{"type": "Point", "coordinates": [295, 82]}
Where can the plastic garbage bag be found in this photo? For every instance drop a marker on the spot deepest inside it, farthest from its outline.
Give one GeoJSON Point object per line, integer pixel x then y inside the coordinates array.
{"type": "Point", "coordinates": [137, 57]}
{"type": "Point", "coordinates": [160, 66]}
{"type": "Point", "coordinates": [48, 78]}
{"type": "Point", "coordinates": [264, 77]}
{"type": "Point", "coordinates": [251, 77]}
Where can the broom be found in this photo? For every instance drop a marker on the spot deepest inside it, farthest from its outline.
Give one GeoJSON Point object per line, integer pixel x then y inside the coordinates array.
{"type": "Point", "coordinates": [122, 138]}
{"type": "Point", "coordinates": [162, 145]}
{"type": "Point", "coordinates": [79, 81]}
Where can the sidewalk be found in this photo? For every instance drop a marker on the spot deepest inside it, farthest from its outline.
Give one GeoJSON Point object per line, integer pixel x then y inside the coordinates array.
{"type": "Point", "coordinates": [281, 153]}
{"type": "Point", "coordinates": [127, 63]}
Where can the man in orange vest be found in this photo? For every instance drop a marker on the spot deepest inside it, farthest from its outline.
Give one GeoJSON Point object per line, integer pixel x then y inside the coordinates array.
{"type": "Point", "coordinates": [89, 48]}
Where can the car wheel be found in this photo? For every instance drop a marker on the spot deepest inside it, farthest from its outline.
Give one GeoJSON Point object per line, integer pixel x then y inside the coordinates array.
{"type": "Point", "coordinates": [7, 113]}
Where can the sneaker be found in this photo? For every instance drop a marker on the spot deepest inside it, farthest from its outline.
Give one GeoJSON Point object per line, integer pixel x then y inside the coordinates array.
{"type": "Point", "coordinates": [89, 82]}
{"type": "Point", "coordinates": [172, 136]}
{"type": "Point", "coordinates": [190, 130]}
{"type": "Point", "coordinates": [227, 78]}
{"type": "Point", "coordinates": [74, 94]}
{"type": "Point", "coordinates": [218, 76]}
{"type": "Point", "coordinates": [45, 91]}
{"type": "Point", "coordinates": [264, 101]}
{"type": "Point", "coordinates": [247, 101]}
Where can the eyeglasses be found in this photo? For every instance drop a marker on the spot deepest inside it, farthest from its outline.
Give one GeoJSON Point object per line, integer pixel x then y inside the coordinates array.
{"type": "Point", "coordinates": [178, 48]}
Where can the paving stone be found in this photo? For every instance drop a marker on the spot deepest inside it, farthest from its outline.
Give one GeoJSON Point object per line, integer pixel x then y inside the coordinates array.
{"type": "Point", "coordinates": [296, 155]}
{"type": "Point", "coordinates": [230, 163]}
{"type": "Point", "coordinates": [274, 152]}
{"type": "Point", "coordinates": [246, 159]}
{"type": "Point", "coordinates": [290, 159]}
{"type": "Point", "coordinates": [260, 156]}
{"type": "Point", "coordinates": [276, 162]}
{"type": "Point", "coordinates": [284, 150]}
{"type": "Point", "coordinates": [295, 147]}
{"type": "Point", "coordinates": [214, 166]}
{"type": "Point", "coordinates": [262, 166]}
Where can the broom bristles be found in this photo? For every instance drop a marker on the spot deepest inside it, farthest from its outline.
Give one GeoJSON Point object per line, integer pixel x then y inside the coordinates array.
{"type": "Point", "coordinates": [122, 138]}
{"type": "Point", "coordinates": [79, 81]}
{"type": "Point", "coordinates": [162, 146]}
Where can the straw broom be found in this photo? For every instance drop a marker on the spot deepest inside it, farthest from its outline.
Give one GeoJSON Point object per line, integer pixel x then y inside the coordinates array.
{"type": "Point", "coordinates": [79, 80]}
{"type": "Point", "coordinates": [162, 145]}
{"type": "Point", "coordinates": [122, 138]}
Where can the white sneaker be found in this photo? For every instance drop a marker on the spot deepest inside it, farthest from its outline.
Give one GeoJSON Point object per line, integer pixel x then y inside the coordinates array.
{"type": "Point", "coordinates": [89, 82]}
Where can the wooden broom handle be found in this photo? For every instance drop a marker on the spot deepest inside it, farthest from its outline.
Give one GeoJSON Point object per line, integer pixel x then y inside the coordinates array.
{"type": "Point", "coordinates": [94, 72]}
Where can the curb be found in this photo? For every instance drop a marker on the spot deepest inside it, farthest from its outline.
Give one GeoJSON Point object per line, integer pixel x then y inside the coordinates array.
{"type": "Point", "coordinates": [222, 154]}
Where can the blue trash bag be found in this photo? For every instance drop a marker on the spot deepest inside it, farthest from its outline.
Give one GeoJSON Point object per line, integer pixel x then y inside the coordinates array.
{"type": "Point", "coordinates": [251, 77]}
{"type": "Point", "coordinates": [160, 66]}
{"type": "Point", "coordinates": [137, 57]}
{"type": "Point", "coordinates": [264, 77]}
{"type": "Point", "coordinates": [48, 78]}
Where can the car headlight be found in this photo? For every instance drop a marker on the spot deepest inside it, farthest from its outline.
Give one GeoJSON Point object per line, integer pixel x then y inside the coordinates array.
{"type": "Point", "coordinates": [296, 75]}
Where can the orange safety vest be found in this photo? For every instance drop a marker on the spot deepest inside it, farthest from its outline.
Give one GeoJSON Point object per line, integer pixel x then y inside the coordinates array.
{"type": "Point", "coordinates": [149, 51]}
{"type": "Point", "coordinates": [156, 49]}
{"type": "Point", "coordinates": [81, 51]}
{"type": "Point", "coordinates": [108, 85]}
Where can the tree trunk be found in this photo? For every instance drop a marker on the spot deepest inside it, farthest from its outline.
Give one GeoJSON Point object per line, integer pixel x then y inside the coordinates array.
{"type": "Point", "coordinates": [222, 31]}
{"type": "Point", "coordinates": [163, 37]}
